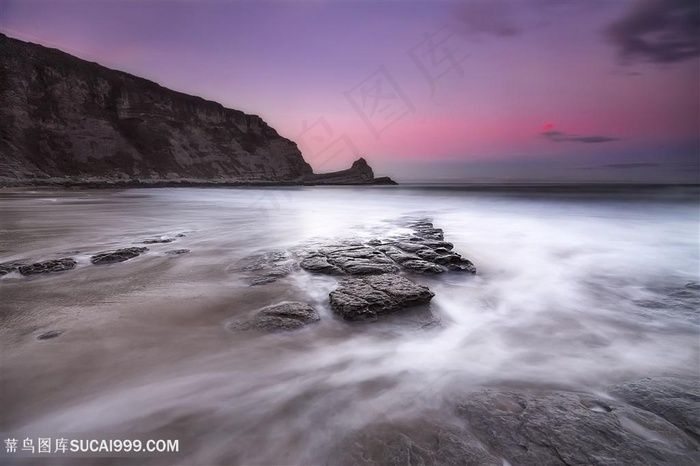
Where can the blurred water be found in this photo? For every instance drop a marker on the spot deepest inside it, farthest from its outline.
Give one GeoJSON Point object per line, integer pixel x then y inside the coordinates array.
{"type": "Point", "coordinates": [576, 288]}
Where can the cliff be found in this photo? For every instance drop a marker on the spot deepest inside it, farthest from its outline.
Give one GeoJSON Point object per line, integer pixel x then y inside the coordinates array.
{"type": "Point", "coordinates": [64, 120]}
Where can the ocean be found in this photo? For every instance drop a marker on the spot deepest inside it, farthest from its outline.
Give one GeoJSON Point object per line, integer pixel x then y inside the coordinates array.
{"type": "Point", "coordinates": [577, 287]}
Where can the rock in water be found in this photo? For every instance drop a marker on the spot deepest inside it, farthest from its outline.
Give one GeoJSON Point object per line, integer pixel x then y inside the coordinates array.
{"type": "Point", "coordinates": [266, 267]}
{"type": "Point", "coordinates": [348, 259]}
{"type": "Point", "coordinates": [50, 334]}
{"type": "Point", "coordinates": [7, 267]}
{"type": "Point", "coordinates": [320, 264]}
{"type": "Point", "coordinates": [368, 297]}
{"type": "Point", "coordinates": [177, 252]}
{"type": "Point", "coordinates": [118, 255]}
{"type": "Point", "coordinates": [282, 316]}
{"type": "Point", "coordinates": [563, 428]}
{"type": "Point", "coordinates": [158, 240]}
{"type": "Point", "coordinates": [675, 399]}
{"type": "Point", "coordinates": [57, 265]}
{"type": "Point", "coordinates": [422, 266]}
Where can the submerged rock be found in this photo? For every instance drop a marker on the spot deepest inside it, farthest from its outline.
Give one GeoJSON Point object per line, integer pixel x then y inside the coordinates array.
{"type": "Point", "coordinates": [281, 317]}
{"type": "Point", "coordinates": [56, 265]}
{"type": "Point", "coordinates": [675, 399]}
{"type": "Point", "coordinates": [158, 240]}
{"type": "Point", "coordinates": [267, 267]}
{"type": "Point", "coordinates": [563, 428]}
{"type": "Point", "coordinates": [368, 297]}
{"type": "Point", "coordinates": [118, 255]}
{"type": "Point", "coordinates": [411, 443]}
{"type": "Point", "coordinates": [177, 252]}
{"type": "Point", "coordinates": [50, 334]}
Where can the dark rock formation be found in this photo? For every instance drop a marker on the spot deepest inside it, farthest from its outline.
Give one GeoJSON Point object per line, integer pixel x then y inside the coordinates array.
{"type": "Point", "coordinates": [118, 255]}
{"type": "Point", "coordinates": [68, 121]}
{"type": "Point", "coordinates": [349, 259]}
{"type": "Point", "coordinates": [562, 428]}
{"type": "Point", "coordinates": [56, 265]}
{"type": "Point", "coordinates": [422, 266]}
{"type": "Point", "coordinates": [280, 317]}
{"type": "Point", "coordinates": [359, 173]}
{"type": "Point", "coordinates": [411, 443]}
{"type": "Point", "coordinates": [50, 334]}
{"type": "Point", "coordinates": [675, 399]}
{"type": "Point", "coordinates": [177, 252]}
{"type": "Point", "coordinates": [158, 240]}
{"type": "Point", "coordinates": [320, 264]}
{"type": "Point", "coordinates": [7, 267]}
{"type": "Point", "coordinates": [424, 251]}
{"type": "Point", "coordinates": [368, 297]}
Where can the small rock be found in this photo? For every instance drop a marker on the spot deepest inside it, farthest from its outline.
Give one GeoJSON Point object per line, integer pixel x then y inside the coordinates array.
{"type": "Point", "coordinates": [118, 255]}
{"type": "Point", "coordinates": [463, 265]}
{"type": "Point", "coordinates": [368, 297]}
{"type": "Point", "coordinates": [421, 266]}
{"type": "Point", "coordinates": [57, 265]}
{"type": "Point", "coordinates": [267, 266]}
{"type": "Point", "coordinates": [399, 256]}
{"type": "Point", "coordinates": [374, 242]}
{"type": "Point", "coordinates": [454, 261]}
{"type": "Point", "coordinates": [158, 240]}
{"type": "Point", "coordinates": [349, 259]}
{"type": "Point", "coordinates": [177, 252]}
{"type": "Point", "coordinates": [411, 246]}
{"type": "Point", "coordinates": [321, 265]}
{"type": "Point", "coordinates": [281, 317]}
{"type": "Point", "coordinates": [361, 267]}
{"type": "Point", "coordinates": [427, 254]}
{"type": "Point", "coordinates": [50, 334]}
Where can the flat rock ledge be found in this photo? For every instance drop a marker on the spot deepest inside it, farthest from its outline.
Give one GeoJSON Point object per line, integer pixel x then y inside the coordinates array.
{"type": "Point", "coordinates": [410, 442]}
{"type": "Point", "coordinates": [568, 428]}
{"type": "Point", "coordinates": [50, 266]}
{"type": "Point", "coordinates": [118, 255]}
{"type": "Point", "coordinates": [366, 298]}
{"type": "Point", "coordinates": [675, 399]}
{"type": "Point", "coordinates": [283, 316]}
{"type": "Point", "coordinates": [421, 251]}
{"type": "Point", "coordinates": [497, 426]}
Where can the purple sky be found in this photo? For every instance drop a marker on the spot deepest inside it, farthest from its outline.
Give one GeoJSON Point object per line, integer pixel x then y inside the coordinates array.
{"type": "Point", "coordinates": [476, 90]}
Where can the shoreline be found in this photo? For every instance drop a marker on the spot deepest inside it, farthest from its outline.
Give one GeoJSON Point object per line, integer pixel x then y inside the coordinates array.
{"type": "Point", "coordinates": [104, 184]}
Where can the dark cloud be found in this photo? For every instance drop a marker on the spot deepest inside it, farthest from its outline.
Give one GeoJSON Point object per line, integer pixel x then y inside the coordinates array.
{"type": "Point", "coordinates": [488, 17]}
{"type": "Point", "coordinates": [659, 31]}
{"type": "Point", "coordinates": [624, 166]}
{"type": "Point", "coordinates": [559, 136]}
{"type": "Point", "coordinates": [632, 165]}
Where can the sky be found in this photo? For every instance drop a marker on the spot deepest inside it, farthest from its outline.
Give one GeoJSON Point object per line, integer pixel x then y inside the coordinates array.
{"type": "Point", "coordinates": [482, 91]}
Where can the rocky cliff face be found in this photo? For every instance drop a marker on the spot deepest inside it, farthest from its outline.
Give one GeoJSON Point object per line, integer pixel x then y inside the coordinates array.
{"type": "Point", "coordinates": [63, 119]}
